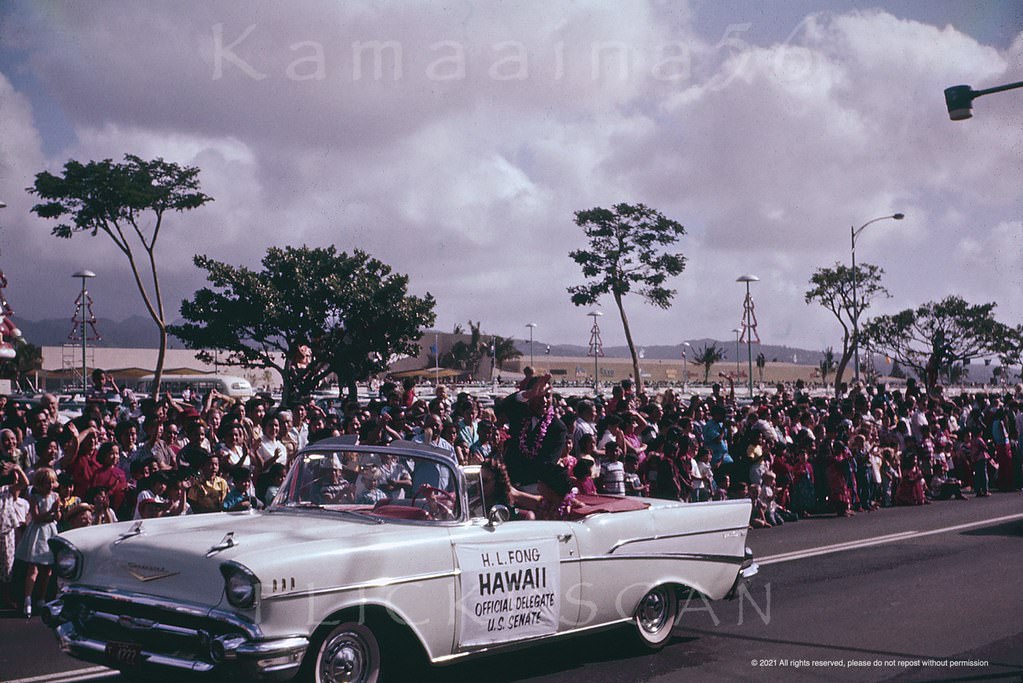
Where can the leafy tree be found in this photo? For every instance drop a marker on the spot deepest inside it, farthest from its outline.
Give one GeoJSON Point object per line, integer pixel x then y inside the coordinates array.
{"type": "Point", "coordinates": [126, 202]}
{"type": "Point", "coordinates": [832, 288]}
{"type": "Point", "coordinates": [309, 313]}
{"type": "Point", "coordinates": [707, 356]}
{"type": "Point", "coordinates": [827, 364]}
{"type": "Point", "coordinates": [29, 359]}
{"type": "Point", "coordinates": [627, 250]}
{"type": "Point", "coordinates": [931, 338]}
{"type": "Point", "coordinates": [1011, 353]}
{"type": "Point", "coordinates": [467, 355]}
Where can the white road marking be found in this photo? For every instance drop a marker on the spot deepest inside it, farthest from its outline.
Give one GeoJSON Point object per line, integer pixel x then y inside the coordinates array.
{"type": "Point", "coordinates": [880, 540]}
{"type": "Point", "coordinates": [91, 673]}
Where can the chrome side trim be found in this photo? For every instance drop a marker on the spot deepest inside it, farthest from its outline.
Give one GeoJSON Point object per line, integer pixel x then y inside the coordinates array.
{"type": "Point", "coordinates": [376, 583]}
{"type": "Point", "coordinates": [661, 537]}
{"type": "Point", "coordinates": [697, 557]}
{"type": "Point", "coordinates": [249, 628]}
{"type": "Point", "coordinates": [502, 647]}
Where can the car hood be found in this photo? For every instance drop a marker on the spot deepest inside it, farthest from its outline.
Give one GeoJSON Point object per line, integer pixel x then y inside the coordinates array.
{"type": "Point", "coordinates": [179, 558]}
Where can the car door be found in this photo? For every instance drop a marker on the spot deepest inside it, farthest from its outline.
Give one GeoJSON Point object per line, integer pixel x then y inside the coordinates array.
{"type": "Point", "coordinates": [515, 580]}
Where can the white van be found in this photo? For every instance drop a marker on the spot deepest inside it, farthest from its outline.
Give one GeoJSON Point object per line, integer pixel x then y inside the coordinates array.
{"type": "Point", "coordinates": [229, 385]}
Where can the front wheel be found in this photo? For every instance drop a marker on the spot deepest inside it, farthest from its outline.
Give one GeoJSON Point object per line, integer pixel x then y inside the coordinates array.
{"type": "Point", "coordinates": [350, 653]}
{"type": "Point", "coordinates": [655, 617]}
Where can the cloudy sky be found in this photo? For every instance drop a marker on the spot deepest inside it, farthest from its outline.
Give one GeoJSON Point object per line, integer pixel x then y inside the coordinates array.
{"type": "Point", "coordinates": [455, 140]}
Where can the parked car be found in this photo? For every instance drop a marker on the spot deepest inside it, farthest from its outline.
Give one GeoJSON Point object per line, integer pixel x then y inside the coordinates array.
{"type": "Point", "coordinates": [331, 585]}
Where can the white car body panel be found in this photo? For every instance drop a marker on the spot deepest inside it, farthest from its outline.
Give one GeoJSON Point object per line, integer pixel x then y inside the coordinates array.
{"type": "Point", "coordinates": [311, 564]}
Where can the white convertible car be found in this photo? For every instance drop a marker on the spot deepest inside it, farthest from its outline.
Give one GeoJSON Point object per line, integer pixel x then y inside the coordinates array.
{"type": "Point", "coordinates": [332, 586]}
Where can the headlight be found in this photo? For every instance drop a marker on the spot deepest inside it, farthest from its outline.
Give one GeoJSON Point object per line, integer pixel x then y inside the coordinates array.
{"type": "Point", "coordinates": [240, 585]}
{"type": "Point", "coordinates": [66, 559]}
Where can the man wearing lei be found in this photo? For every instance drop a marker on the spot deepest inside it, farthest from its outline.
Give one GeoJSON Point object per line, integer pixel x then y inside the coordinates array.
{"type": "Point", "coordinates": [536, 435]}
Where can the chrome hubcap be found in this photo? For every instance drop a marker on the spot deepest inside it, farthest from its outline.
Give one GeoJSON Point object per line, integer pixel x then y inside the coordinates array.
{"type": "Point", "coordinates": [345, 659]}
{"type": "Point", "coordinates": [653, 611]}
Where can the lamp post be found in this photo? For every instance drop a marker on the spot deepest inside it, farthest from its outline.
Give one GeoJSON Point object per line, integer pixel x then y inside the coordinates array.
{"type": "Point", "coordinates": [531, 326]}
{"type": "Point", "coordinates": [685, 367]}
{"type": "Point", "coordinates": [959, 98]}
{"type": "Point", "coordinates": [749, 324]}
{"type": "Point", "coordinates": [853, 232]}
{"type": "Point", "coordinates": [596, 349]}
{"type": "Point", "coordinates": [84, 275]}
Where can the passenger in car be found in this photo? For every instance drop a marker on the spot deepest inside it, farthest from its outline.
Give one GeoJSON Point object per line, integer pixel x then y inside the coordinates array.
{"type": "Point", "coordinates": [335, 488]}
{"type": "Point", "coordinates": [498, 490]}
{"type": "Point", "coordinates": [371, 493]}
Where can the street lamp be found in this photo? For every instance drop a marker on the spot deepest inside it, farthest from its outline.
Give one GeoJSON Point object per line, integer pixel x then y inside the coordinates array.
{"type": "Point", "coordinates": [853, 232]}
{"type": "Point", "coordinates": [749, 324]}
{"type": "Point", "coordinates": [959, 99]}
{"type": "Point", "coordinates": [596, 349]}
{"type": "Point", "coordinates": [84, 275]}
{"type": "Point", "coordinates": [685, 367]}
{"type": "Point", "coordinates": [531, 326]}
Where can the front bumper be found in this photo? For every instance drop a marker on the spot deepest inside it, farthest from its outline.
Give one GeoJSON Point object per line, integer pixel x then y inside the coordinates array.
{"type": "Point", "coordinates": [140, 633]}
{"type": "Point", "coordinates": [747, 571]}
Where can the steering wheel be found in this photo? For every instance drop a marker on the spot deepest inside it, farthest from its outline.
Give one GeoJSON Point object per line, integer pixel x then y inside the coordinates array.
{"type": "Point", "coordinates": [438, 503]}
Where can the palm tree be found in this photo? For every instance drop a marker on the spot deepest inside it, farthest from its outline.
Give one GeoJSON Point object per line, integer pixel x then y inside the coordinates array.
{"type": "Point", "coordinates": [504, 351]}
{"type": "Point", "coordinates": [707, 356]}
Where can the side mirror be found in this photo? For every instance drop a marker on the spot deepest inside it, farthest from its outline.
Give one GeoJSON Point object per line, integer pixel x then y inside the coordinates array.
{"type": "Point", "coordinates": [499, 514]}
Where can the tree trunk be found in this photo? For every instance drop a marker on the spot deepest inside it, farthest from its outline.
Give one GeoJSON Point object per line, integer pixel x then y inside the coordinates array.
{"type": "Point", "coordinates": [840, 370]}
{"type": "Point", "coordinates": [158, 372]}
{"type": "Point", "coordinates": [632, 347]}
{"type": "Point", "coordinates": [353, 390]}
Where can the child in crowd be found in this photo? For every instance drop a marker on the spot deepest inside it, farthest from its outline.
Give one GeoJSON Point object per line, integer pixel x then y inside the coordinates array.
{"type": "Point", "coordinates": [944, 487]}
{"type": "Point", "coordinates": [44, 512]}
{"type": "Point", "coordinates": [14, 511]}
{"type": "Point", "coordinates": [612, 472]}
{"type": "Point", "coordinates": [79, 516]}
{"type": "Point", "coordinates": [758, 518]}
{"type": "Point", "coordinates": [912, 488]}
{"type": "Point", "coordinates": [634, 486]}
{"type": "Point", "coordinates": [890, 477]}
{"type": "Point", "coordinates": [150, 501]}
{"type": "Point", "coordinates": [241, 496]}
{"type": "Point", "coordinates": [706, 469]}
{"type": "Point", "coordinates": [99, 498]}
{"type": "Point", "coordinates": [582, 476]}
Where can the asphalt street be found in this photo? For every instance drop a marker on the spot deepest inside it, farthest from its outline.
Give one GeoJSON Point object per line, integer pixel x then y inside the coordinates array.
{"type": "Point", "coordinates": [909, 594]}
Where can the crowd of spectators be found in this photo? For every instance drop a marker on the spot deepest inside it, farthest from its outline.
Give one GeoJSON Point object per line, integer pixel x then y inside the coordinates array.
{"type": "Point", "coordinates": [794, 455]}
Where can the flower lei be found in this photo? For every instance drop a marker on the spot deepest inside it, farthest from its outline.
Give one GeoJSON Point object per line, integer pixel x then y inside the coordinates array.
{"type": "Point", "coordinates": [565, 507]}
{"type": "Point", "coordinates": [524, 434]}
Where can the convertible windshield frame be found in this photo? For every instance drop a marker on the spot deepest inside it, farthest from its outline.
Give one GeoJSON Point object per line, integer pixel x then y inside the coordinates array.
{"type": "Point", "coordinates": [338, 448]}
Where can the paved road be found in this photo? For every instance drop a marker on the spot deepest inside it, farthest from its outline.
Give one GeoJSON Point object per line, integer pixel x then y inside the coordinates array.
{"type": "Point", "coordinates": [905, 594]}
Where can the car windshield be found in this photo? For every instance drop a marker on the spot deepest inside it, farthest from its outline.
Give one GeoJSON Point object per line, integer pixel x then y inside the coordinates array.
{"type": "Point", "coordinates": [382, 485]}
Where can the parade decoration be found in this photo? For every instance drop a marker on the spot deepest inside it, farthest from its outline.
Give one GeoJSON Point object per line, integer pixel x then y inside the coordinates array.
{"type": "Point", "coordinates": [83, 321]}
{"type": "Point", "coordinates": [8, 330]}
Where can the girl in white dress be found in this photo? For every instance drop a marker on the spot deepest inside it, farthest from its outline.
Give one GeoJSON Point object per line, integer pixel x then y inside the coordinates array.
{"type": "Point", "coordinates": [44, 513]}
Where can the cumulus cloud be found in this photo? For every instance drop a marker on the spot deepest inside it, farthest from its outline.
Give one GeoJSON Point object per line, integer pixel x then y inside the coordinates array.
{"type": "Point", "coordinates": [455, 142]}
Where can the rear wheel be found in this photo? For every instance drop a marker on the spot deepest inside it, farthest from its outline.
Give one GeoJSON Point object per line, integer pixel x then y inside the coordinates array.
{"type": "Point", "coordinates": [349, 653]}
{"type": "Point", "coordinates": [655, 617]}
